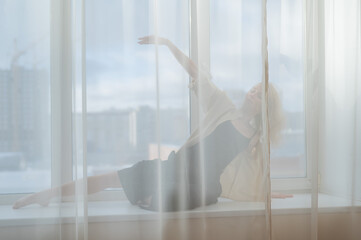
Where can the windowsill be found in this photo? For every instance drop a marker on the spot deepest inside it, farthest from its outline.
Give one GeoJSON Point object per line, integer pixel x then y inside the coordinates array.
{"type": "Point", "coordinates": [124, 211]}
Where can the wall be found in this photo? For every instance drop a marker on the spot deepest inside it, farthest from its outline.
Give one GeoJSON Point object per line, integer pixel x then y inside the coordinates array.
{"type": "Point", "coordinates": [285, 227]}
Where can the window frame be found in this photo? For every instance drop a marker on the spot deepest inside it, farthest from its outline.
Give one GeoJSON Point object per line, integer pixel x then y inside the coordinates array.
{"type": "Point", "coordinates": [61, 92]}
{"type": "Point", "coordinates": [301, 184]}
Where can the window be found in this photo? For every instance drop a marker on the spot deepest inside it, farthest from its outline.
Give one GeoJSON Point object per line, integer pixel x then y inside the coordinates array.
{"type": "Point", "coordinates": [121, 82]}
{"type": "Point", "coordinates": [25, 156]}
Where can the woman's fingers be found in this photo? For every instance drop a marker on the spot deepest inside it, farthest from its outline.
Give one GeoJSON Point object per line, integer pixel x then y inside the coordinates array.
{"type": "Point", "coordinates": [150, 40]}
{"type": "Point", "coordinates": [146, 40]}
{"type": "Point", "coordinates": [42, 198]}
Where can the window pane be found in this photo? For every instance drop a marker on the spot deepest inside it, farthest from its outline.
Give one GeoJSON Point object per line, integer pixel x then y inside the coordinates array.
{"type": "Point", "coordinates": [121, 83]}
{"type": "Point", "coordinates": [285, 36]}
{"type": "Point", "coordinates": [24, 96]}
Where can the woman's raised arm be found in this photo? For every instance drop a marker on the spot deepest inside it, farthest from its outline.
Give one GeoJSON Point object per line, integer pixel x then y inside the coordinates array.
{"type": "Point", "coordinates": [208, 93]}
{"type": "Point", "coordinates": [185, 61]}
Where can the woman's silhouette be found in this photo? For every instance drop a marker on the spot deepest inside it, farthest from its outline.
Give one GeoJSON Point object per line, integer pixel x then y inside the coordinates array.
{"type": "Point", "coordinates": [191, 176]}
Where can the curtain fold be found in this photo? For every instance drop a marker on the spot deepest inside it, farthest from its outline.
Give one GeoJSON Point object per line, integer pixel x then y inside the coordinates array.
{"type": "Point", "coordinates": [314, 86]}
{"type": "Point", "coordinates": [341, 108]}
{"type": "Point", "coordinates": [265, 123]}
{"type": "Point", "coordinates": [79, 120]}
{"type": "Point", "coordinates": [332, 78]}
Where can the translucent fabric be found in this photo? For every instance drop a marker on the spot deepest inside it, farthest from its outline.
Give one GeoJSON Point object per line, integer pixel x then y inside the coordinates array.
{"type": "Point", "coordinates": [170, 119]}
{"type": "Point", "coordinates": [341, 95]}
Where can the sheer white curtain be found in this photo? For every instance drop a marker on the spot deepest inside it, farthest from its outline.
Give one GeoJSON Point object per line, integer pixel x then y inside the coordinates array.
{"type": "Point", "coordinates": [332, 65]}
{"type": "Point", "coordinates": [339, 166]}
{"type": "Point", "coordinates": [100, 102]}
{"type": "Point", "coordinates": [43, 107]}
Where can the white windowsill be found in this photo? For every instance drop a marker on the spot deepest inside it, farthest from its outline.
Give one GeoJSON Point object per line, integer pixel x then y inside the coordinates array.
{"type": "Point", "coordinates": [124, 211]}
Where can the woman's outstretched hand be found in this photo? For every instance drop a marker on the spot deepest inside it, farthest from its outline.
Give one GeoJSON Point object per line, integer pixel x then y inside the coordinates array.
{"type": "Point", "coordinates": [152, 40]}
{"type": "Point", "coordinates": [182, 59]}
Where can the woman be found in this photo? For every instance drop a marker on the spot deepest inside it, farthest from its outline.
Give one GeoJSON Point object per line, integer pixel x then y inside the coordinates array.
{"type": "Point", "coordinates": [191, 177]}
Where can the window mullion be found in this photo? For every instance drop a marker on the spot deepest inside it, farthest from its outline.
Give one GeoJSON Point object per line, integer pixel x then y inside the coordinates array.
{"type": "Point", "coordinates": [199, 48]}
{"type": "Point", "coordinates": [61, 94]}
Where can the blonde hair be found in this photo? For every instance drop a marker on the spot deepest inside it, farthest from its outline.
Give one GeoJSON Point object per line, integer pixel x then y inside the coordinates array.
{"type": "Point", "coordinates": [276, 115]}
{"type": "Point", "coordinates": [276, 119]}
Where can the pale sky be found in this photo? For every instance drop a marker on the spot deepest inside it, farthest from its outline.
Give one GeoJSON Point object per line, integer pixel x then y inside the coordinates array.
{"type": "Point", "coordinates": [121, 73]}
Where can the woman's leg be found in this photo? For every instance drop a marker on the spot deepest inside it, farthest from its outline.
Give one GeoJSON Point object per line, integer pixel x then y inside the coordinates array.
{"type": "Point", "coordinates": [95, 184]}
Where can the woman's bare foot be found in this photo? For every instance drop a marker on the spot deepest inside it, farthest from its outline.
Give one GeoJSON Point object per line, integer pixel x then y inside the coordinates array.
{"type": "Point", "coordinates": [145, 202]}
{"type": "Point", "coordinates": [41, 198]}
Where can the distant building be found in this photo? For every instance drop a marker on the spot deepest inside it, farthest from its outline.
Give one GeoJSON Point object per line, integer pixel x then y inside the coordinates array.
{"type": "Point", "coordinates": [25, 113]}
{"type": "Point", "coordinates": [173, 129]}
{"type": "Point", "coordinates": [110, 137]}
{"type": "Point", "coordinates": [123, 137]}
